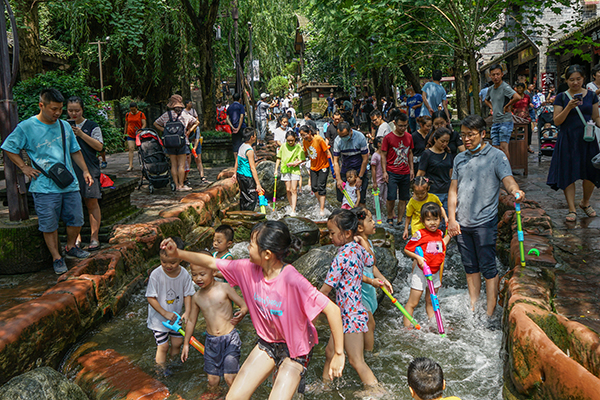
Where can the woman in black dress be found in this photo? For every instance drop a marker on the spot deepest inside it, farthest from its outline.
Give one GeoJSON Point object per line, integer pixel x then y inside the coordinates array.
{"type": "Point", "coordinates": [572, 157]}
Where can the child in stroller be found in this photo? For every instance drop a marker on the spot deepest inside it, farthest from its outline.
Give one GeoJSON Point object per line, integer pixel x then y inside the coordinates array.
{"type": "Point", "coordinates": [547, 140]}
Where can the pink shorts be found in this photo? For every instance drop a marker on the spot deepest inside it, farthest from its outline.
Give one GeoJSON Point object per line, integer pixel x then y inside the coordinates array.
{"type": "Point", "coordinates": [346, 207]}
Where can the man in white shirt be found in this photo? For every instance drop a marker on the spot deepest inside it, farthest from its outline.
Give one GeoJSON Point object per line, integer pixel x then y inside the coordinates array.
{"type": "Point", "coordinates": [383, 128]}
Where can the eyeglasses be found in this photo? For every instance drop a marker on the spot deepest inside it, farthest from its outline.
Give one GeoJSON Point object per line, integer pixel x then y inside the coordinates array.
{"type": "Point", "coordinates": [469, 136]}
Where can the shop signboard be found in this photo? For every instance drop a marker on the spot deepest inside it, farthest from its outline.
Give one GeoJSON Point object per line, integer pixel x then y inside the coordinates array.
{"type": "Point", "coordinates": [548, 79]}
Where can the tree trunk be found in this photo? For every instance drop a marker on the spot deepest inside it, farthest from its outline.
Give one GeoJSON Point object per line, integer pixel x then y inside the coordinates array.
{"type": "Point", "coordinates": [411, 78]}
{"type": "Point", "coordinates": [472, 63]}
{"type": "Point", "coordinates": [28, 29]}
{"type": "Point", "coordinates": [380, 83]}
{"type": "Point", "coordinates": [461, 93]}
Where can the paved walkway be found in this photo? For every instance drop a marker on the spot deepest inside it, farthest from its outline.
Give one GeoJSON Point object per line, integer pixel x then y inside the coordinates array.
{"type": "Point", "coordinates": [576, 247]}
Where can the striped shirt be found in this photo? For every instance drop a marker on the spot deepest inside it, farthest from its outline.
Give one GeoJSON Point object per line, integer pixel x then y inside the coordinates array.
{"type": "Point", "coordinates": [350, 150]}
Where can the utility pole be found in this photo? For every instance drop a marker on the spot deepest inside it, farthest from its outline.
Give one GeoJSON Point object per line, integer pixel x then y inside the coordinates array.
{"type": "Point", "coordinates": [99, 43]}
{"type": "Point", "coordinates": [16, 191]}
{"type": "Point", "coordinates": [251, 62]}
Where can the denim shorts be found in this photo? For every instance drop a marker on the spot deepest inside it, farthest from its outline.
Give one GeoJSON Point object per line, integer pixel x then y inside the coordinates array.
{"type": "Point", "coordinates": [501, 132]}
{"type": "Point", "coordinates": [52, 207]}
{"type": "Point", "coordinates": [477, 246]}
{"type": "Point", "coordinates": [177, 151]}
{"type": "Point", "coordinates": [222, 354]}
{"type": "Point", "coordinates": [279, 352]}
{"type": "Point", "coordinates": [398, 187]}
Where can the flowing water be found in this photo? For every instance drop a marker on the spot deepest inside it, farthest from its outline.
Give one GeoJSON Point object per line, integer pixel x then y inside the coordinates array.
{"type": "Point", "coordinates": [470, 355]}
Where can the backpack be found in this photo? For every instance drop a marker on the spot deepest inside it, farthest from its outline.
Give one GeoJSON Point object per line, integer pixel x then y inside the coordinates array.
{"type": "Point", "coordinates": [174, 134]}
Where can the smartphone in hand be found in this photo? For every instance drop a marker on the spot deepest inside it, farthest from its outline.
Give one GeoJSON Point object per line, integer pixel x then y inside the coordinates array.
{"type": "Point", "coordinates": [579, 97]}
{"type": "Point", "coordinates": [71, 122]}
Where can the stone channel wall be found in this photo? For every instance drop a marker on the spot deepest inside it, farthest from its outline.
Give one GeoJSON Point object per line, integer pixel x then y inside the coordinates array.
{"type": "Point", "coordinates": [39, 332]}
{"type": "Point", "coordinates": [548, 356]}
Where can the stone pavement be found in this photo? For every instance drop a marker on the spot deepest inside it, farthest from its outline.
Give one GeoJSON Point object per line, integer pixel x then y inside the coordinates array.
{"type": "Point", "coordinates": [576, 247]}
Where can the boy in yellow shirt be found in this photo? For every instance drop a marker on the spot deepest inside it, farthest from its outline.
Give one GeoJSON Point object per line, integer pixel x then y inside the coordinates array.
{"type": "Point", "coordinates": [426, 380]}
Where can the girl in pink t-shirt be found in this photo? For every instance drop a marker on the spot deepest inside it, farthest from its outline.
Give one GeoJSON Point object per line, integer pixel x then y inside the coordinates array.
{"type": "Point", "coordinates": [345, 275]}
{"type": "Point", "coordinates": [282, 305]}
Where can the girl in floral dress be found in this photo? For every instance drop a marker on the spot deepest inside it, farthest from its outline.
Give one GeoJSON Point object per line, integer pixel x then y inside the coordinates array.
{"type": "Point", "coordinates": [345, 275]}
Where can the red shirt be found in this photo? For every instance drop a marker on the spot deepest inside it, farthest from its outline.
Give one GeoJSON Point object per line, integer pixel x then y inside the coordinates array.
{"type": "Point", "coordinates": [397, 149]}
{"type": "Point", "coordinates": [134, 122]}
{"type": "Point", "coordinates": [433, 246]}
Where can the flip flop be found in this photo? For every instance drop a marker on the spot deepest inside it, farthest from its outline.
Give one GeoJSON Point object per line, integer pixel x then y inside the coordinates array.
{"type": "Point", "coordinates": [94, 246]}
{"type": "Point", "coordinates": [589, 211]}
{"type": "Point", "coordinates": [571, 216]}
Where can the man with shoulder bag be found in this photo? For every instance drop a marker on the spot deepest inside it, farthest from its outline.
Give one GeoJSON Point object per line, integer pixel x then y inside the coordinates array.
{"type": "Point", "coordinates": [52, 147]}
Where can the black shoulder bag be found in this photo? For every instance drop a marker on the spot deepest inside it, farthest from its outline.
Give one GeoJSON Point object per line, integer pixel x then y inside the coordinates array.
{"type": "Point", "coordinates": [58, 172]}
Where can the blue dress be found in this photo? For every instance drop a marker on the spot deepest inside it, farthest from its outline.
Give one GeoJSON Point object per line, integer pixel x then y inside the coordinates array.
{"type": "Point", "coordinates": [572, 157]}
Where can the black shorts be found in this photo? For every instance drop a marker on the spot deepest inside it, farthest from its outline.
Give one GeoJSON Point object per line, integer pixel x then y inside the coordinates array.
{"type": "Point", "coordinates": [318, 181]}
{"type": "Point", "coordinates": [177, 151]}
{"type": "Point", "coordinates": [398, 186]}
{"type": "Point", "coordinates": [248, 194]}
{"type": "Point", "coordinates": [279, 352]}
{"type": "Point", "coordinates": [477, 246]}
{"type": "Point", "coordinates": [236, 140]}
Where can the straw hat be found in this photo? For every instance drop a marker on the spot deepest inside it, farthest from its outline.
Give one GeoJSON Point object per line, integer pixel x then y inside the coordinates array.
{"type": "Point", "coordinates": [175, 101]}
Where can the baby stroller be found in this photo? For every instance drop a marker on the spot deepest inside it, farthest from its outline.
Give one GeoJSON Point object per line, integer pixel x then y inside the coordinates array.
{"type": "Point", "coordinates": [548, 137]}
{"type": "Point", "coordinates": [154, 163]}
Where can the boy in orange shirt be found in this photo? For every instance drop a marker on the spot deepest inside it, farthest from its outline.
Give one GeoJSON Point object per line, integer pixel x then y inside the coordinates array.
{"type": "Point", "coordinates": [317, 151]}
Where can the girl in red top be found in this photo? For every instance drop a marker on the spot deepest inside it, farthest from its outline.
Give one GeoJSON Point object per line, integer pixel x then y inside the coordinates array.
{"type": "Point", "coordinates": [433, 243]}
{"type": "Point", "coordinates": [134, 120]}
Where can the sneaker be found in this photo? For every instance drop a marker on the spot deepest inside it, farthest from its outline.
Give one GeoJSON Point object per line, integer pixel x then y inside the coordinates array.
{"type": "Point", "coordinates": [59, 266]}
{"type": "Point", "coordinates": [77, 252]}
{"type": "Point", "coordinates": [103, 164]}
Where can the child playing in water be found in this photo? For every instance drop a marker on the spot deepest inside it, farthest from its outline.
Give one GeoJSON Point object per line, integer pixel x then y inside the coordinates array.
{"type": "Point", "coordinates": [222, 241]}
{"type": "Point", "coordinates": [290, 156]}
{"type": "Point", "coordinates": [433, 243]}
{"type": "Point", "coordinates": [351, 189]}
{"type": "Point", "coordinates": [345, 275]}
{"type": "Point", "coordinates": [372, 277]}
{"type": "Point", "coordinates": [282, 305]}
{"type": "Point", "coordinates": [245, 172]}
{"type": "Point", "coordinates": [421, 195]}
{"type": "Point", "coordinates": [222, 345]}
{"type": "Point", "coordinates": [318, 154]}
{"type": "Point", "coordinates": [426, 380]}
{"type": "Point", "coordinates": [169, 290]}
{"type": "Point", "coordinates": [377, 166]}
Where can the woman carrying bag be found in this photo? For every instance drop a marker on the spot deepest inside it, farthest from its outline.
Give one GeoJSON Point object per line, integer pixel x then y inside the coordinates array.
{"type": "Point", "coordinates": [571, 161]}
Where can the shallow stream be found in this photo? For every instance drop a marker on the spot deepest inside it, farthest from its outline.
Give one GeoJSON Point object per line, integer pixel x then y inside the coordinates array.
{"type": "Point", "coordinates": [470, 355]}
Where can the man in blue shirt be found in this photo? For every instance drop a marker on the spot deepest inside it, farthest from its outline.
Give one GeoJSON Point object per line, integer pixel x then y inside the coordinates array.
{"type": "Point", "coordinates": [235, 118]}
{"type": "Point", "coordinates": [41, 137]}
{"type": "Point", "coordinates": [434, 95]}
{"type": "Point", "coordinates": [351, 148]}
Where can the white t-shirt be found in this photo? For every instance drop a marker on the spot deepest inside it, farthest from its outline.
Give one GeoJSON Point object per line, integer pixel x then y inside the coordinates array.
{"type": "Point", "coordinates": [592, 86]}
{"type": "Point", "coordinates": [169, 292]}
{"type": "Point", "coordinates": [279, 135]}
{"type": "Point", "coordinates": [383, 129]}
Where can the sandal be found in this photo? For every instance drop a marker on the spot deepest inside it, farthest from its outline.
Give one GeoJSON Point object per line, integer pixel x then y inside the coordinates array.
{"type": "Point", "coordinates": [390, 221]}
{"type": "Point", "coordinates": [94, 246]}
{"type": "Point", "coordinates": [589, 211]}
{"type": "Point", "coordinates": [203, 179]}
{"type": "Point", "coordinates": [571, 216]}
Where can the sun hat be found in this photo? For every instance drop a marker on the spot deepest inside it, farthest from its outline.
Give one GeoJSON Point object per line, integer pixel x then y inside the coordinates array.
{"type": "Point", "coordinates": [175, 101]}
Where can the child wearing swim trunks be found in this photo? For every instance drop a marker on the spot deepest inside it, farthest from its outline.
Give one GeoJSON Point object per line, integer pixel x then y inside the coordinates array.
{"type": "Point", "coordinates": [222, 345]}
{"type": "Point", "coordinates": [169, 289]}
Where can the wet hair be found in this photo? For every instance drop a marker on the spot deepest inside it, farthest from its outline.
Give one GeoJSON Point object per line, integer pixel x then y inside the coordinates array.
{"type": "Point", "coordinates": [377, 141]}
{"type": "Point", "coordinates": [236, 97]}
{"type": "Point", "coordinates": [422, 120]}
{"type": "Point", "coordinates": [178, 242]}
{"type": "Point", "coordinates": [375, 113]}
{"type": "Point", "coordinates": [344, 126]}
{"type": "Point", "coordinates": [133, 104]}
{"type": "Point", "coordinates": [281, 118]}
{"type": "Point", "coordinates": [401, 117]}
{"type": "Point", "coordinates": [292, 134]}
{"type": "Point", "coordinates": [361, 213]}
{"type": "Point", "coordinates": [495, 66]}
{"type": "Point", "coordinates": [350, 172]}
{"type": "Point", "coordinates": [426, 378]}
{"type": "Point", "coordinates": [573, 69]}
{"type": "Point", "coordinates": [436, 75]}
{"type": "Point", "coordinates": [595, 69]}
{"type": "Point", "coordinates": [346, 220]}
{"type": "Point", "coordinates": [432, 210]}
{"type": "Point", "coordinates": [275, 237]}
{"type": "Point", "coordinates": [248, 133]}
{"type": "Point", "coordinates": [438, 134]}
{"type": "Point", "coordinates": [76, 99]}
{"type": "Point", "coordinates": [226, 230]}
{"type": "Point", "coordinates": [419, 181]}
{"type": "Point", "coordinates": [520, 84]}
{"type": "Point", "coordinates": [474, 121]}
{"type": "Point", "coordinates": [51, 95]}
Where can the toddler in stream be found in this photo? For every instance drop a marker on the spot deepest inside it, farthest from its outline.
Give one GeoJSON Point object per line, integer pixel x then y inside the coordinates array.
{"type": "Point", "coordinates": [351, 189]}
{"type": "Point", "coordinates": [421, 195]}
{"type": "Point", "coordinates": [282, 305]}
{"type": "Point", "coordinates": [433, 243]}
{"type": "Point", "coordinates": [222, 345]}
{"type": "Point", "coordinates": [169, 290]}
{"type": "Point", "coordinates": [372, 278]}
{"type": "Point", "coordinates": [426, 380]}
{"type": "Point", "coordinates": [345, 275]}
